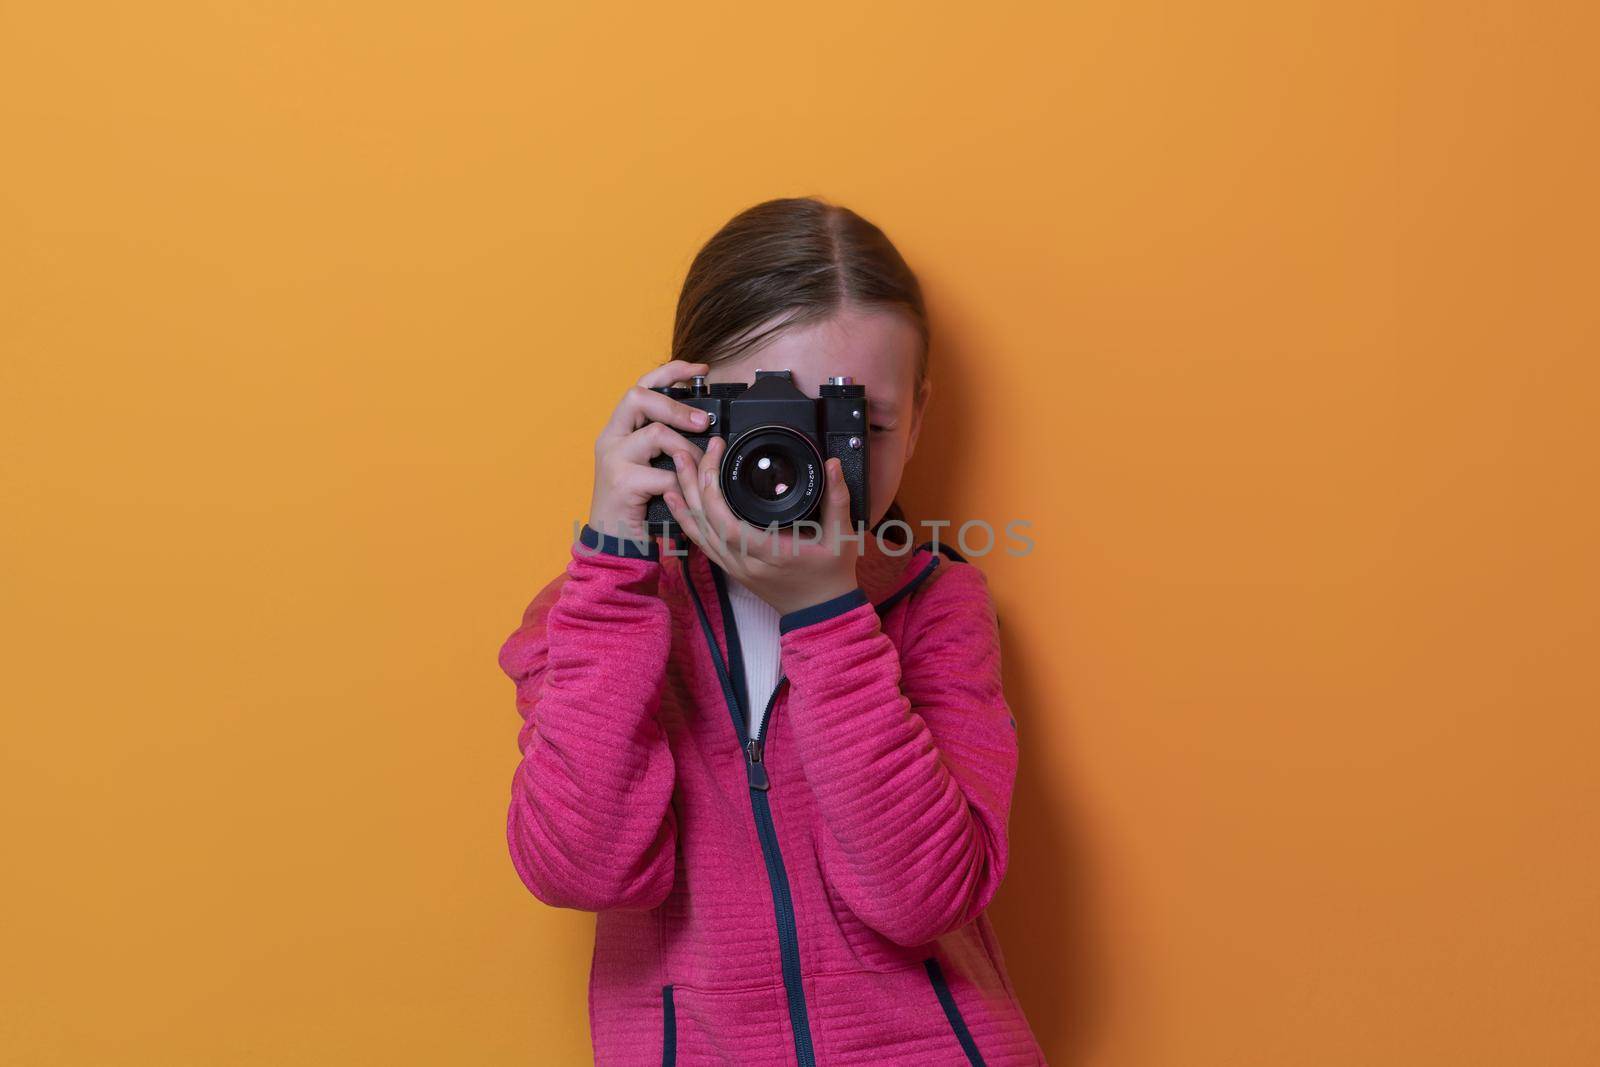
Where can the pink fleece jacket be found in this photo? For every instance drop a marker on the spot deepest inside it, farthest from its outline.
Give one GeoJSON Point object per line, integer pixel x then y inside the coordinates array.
{"type": "Point", "coordinates": [814, 895]}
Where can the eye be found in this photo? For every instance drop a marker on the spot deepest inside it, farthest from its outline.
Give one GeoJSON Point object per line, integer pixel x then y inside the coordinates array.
{"type": "Point", "coordinates": [875, 428]}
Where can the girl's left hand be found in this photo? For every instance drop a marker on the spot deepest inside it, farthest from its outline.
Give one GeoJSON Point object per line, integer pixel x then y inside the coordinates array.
{"type": "Point", "coordinates": [787, 571]}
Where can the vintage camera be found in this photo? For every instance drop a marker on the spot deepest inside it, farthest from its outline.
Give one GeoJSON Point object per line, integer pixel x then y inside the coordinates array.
{"type": "Point", "coordinates": [777, 441]}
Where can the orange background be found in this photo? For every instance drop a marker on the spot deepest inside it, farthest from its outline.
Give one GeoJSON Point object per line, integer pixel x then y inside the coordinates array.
{"type": "Point", "coordinates": [1277, 321]}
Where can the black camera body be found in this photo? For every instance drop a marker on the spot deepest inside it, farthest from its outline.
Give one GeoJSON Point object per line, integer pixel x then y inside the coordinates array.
{"type": "Point", "coordinates": [777, 441]}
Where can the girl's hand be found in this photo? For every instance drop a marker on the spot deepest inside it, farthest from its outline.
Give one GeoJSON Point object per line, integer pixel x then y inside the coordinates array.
{"type": "Point", "coordinates": [787, 570]}
{"type": "Point", "coordinates": [640, 428]}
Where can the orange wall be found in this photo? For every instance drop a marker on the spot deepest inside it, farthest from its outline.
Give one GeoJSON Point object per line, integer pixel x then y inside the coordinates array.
{"type": "Point", "coordinates": [1278, 322]}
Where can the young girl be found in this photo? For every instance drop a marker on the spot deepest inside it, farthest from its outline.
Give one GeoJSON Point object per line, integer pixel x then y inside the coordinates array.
{"type": "Point", "coordinates": [780, 773]}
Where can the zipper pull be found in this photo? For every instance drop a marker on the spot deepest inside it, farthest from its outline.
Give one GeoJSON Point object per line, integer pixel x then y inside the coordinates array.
{"type": "Point", "coordinates": [755, 769]}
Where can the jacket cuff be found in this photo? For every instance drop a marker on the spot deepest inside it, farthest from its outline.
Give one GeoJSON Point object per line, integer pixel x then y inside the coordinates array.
{"type": "Point", "coordinates": [822, 612]}
{"type": "Point", "coordinates": [627, 548]}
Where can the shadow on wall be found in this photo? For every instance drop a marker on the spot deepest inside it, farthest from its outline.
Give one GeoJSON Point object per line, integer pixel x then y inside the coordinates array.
{"type": "Point", "coordinates": [1045, 913]}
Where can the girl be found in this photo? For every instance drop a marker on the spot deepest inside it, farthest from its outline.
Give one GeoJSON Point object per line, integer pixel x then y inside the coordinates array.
{"type": "Point", "coordinates": [780, 773]}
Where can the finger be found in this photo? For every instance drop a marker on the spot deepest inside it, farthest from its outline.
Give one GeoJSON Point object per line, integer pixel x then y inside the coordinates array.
{"type": "Point", "coordinates": [651, 440]}
{"type": "Point", "coordinates": [642, 483]}
{"type": "Point", "coordinates": [671, 373]}
{"type": "Point", "coordinates": [637, 485]}
{"type": "Point", "coordinates": [687, 469]}
{"type": "Point", "coordinates": [713, 536]}
{"type": "Point", "coordinates": [835, 500]}
{"type": "Point", "coordinates": [689, 487]}
{"type": "Point", "coordinates": [693, 522]}
{"type": "Point", "coordinates": [640, 405]}
{"type": "Point", "coordinates": [720, 515]}
{"type": "Point", "coordinates": [681, 515]}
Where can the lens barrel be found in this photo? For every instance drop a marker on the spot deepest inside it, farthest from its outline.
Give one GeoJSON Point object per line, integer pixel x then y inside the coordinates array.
{"type": "Point", "coordinates": [772, 476]}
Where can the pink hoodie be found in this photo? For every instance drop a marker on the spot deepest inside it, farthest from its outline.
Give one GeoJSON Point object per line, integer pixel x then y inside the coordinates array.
{"type": "Point", "coordinates": [815, 895]}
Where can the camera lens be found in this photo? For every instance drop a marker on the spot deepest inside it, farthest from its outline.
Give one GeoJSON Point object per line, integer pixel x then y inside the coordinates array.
{"type": "Point", "coordinates": [772, 473]}
{"type": "Point", "coordinates": [772, 476]}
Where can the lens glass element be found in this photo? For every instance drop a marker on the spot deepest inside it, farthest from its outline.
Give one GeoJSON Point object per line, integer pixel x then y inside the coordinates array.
{"type": "Point", "coordinates": [772, 473]}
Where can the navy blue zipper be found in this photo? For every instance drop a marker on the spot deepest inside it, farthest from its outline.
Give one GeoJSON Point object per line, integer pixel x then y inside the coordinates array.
{"type": "Point", "coordinates": [760, 783]}
{"type": "Point", "coordinates": [766, 832]}
{"type": "Point", "coordinates": [782, 899]}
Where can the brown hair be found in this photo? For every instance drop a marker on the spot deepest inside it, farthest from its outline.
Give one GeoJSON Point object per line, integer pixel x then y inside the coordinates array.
{"type": "Point", "coordinates": [801, 257]}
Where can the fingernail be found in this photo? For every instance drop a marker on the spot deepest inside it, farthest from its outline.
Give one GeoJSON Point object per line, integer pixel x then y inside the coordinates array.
{"type": "Point", "coordinates": [705, 480]}
{"type": "Point", "coordinates": [699, 418]}
{"type": "Point", "coordinates": [677, 461]}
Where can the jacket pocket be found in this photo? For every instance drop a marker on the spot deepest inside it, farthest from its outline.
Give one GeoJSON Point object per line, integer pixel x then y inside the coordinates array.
{"type": "Point", "coordinates": [941, 989]}
{"type": "Point", "coordinates": [669, 1029]}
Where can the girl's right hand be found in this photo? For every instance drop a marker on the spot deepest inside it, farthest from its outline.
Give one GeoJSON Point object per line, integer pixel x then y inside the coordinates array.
{"type": "Point", "coordinates": [641, 428]}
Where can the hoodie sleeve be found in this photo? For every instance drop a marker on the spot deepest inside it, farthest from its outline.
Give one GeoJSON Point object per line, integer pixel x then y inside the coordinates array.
{"type": "Point", "coordinates": [591, 824]}
{"type": "Point", "coordinates": [911, 754]}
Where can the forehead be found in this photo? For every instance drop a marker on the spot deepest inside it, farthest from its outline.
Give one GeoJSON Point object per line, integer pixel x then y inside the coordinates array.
{"type": "Point", "coordinates": [878, 348]}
